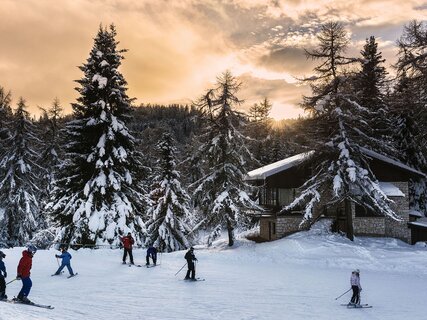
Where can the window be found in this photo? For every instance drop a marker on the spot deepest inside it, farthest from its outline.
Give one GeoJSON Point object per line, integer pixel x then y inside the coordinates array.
{"type": "Point", "coordinates": [362, 211]}
{"type": "Point", "coordinates": [286, 196]}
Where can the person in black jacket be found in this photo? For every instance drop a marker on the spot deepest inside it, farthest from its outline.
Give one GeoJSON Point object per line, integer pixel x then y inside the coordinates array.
{"type": "Point", "coordinates": [190, 257]}
{"type": "Point", "coordinates": [3, 275]}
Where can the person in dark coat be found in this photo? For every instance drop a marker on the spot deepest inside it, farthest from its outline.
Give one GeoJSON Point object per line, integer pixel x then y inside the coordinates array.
{"type": "Point", "coordinates": [3, 275]}
{"type": "Point", "coordinates": [127, 246]}
{"type": "Point", "coordinates": [151, 253]}
{"type": "Point", "coordinates": [23, 273]}
{"type": "Point", "coordinates": [190, 257]}
{"type": "Point", "coordinates": [66, 262]}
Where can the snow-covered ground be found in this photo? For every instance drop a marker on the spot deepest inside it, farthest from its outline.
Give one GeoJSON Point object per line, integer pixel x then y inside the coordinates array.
{"type": "Point", "coordinates": [294, 278]}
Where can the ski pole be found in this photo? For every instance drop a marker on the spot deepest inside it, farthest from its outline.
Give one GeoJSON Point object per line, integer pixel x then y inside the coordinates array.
{"type": "Point", "coordinates": [11, 281]}
{"type": "Point", "coordinates": [181, 269]}
{"type": "Point", "coordinates": [342, 294]}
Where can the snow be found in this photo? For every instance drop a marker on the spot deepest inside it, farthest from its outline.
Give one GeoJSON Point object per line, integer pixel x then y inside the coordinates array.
{"type": "Point", "coordinates": [420, 222]}
{"type": "Point", "coordinates": [293, 278]}
{"type": "Point", "coordinates": [102, 81]}
{"type": "Point", "coordinates": [390, 190]}
{"type": "Point", "coordinates": [273, 168]}
{"type": "Point", "coordinates": [415, 213]}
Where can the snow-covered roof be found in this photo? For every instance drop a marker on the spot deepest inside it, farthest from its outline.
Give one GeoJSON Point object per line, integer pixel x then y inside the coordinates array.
{"type": "Point", "coordinates": [390, 189]}
{"type": "Point", "coordinates": [415, 213]}
{"type": "Point", "coordinates": [275, 167]}
{"type": "Point", "coordinates": [420, 222]}
{"type": "Point", "coordinates": [381, 157]}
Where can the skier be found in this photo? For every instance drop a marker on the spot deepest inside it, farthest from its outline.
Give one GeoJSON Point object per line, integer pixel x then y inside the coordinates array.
{"type": "Point", "coordinates": [23, 271]}
{"type": "Point", "coordinates": [127, 246]}
{"type": "Point", "coordinates": [3, 275]}
{"type": "Point", "coordinates": [190, 257]}
{"type": "Point", "coordinates": [151, 253]}
{"type": "Point", "coordinates": [66, 262]}
{"type": "Point", "coordinates": [355, 286]}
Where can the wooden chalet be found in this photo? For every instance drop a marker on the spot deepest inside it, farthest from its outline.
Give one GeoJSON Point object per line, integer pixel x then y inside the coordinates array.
{"type": "Point", "coordinates": [280, 182]}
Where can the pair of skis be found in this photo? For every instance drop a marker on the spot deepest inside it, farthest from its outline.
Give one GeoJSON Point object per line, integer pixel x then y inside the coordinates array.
{"type": "Point", "coordinates": [33, 304]}
{"type": "Point", "coordinates": [357, 306]}
{"type": "Point", "coordinates": [70, 276]}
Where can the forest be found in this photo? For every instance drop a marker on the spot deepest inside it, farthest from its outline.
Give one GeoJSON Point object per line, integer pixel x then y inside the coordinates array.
{"type": "Point", "coordinates": [174, 175]}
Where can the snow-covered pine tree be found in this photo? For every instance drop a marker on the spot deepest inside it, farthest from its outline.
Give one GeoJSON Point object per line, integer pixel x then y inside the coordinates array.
{"type": "Point", "coordinates": [50, 157]}
{"type": "Point", "coordinates": [96, 199]}
{"type": "Point", "coordinates": [260, 129]}
{"type": "Point", "coordinates": [371, 86]}
{"type": "Point", "coordinates": [170, 214]}
{"type": "Point", "coordinates": [409, 102]}
{"type": "Point", "coordinates": [18, 181]}
{"type": "Point", "coordinates": [221, 194]}
{"type": "Point", "coordinates": [5, 115]}
{"type": "Point", "coordinates": [339, 129]}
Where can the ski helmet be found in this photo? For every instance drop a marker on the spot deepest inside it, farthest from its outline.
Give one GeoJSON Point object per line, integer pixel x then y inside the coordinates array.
{"type": "Point", "coordinates": [356, 271]}
{"type": "Point", "coordinates": [32, 248]}
{"type": "Point", "coordinates": [2, 255]}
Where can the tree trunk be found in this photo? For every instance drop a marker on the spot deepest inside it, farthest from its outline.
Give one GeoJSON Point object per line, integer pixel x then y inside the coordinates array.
{"type": "Point", "coordinates": [348, 213]}
{"type": "Point", "coordinates": [230, 234]}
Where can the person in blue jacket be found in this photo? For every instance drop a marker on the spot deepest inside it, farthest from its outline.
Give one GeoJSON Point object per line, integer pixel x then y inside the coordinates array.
{"type": "Point", "coordinates": [151, 253]}
{"type": "Point", "coordinates": [66, 262]}
{"type": "Point", "coordinates": [3, 275]}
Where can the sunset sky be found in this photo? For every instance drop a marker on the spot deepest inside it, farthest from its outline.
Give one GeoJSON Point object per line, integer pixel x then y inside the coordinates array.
{"type": "Point", "coordinates": [177, 48]}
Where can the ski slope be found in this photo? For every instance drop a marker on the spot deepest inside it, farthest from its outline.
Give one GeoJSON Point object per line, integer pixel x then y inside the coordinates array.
{"type": "Point", "coordinates": [294, 278]}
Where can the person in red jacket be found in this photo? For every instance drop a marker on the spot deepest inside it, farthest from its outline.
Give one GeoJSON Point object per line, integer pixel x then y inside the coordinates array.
{"type": "Point", "coordinates": [23, 273]}
{"type": "Point", "coordinates": [127, 245]}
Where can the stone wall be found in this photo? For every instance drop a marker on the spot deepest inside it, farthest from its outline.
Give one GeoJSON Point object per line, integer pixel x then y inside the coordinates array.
{"type": "Point", "coordinates": [399, 229]}
{"type": "Point", "coordinates": [287, 225]}
{"type": "Point", "coordinates": [385, 226]}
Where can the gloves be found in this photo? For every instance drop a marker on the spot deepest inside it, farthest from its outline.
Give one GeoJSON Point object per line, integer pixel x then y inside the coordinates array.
{"type": "Point", "coordinates": [18, 277]}
{"type": "Point", "coordinates": [56, 256]}
{"type": "Point", "coordinates": [195, 259]}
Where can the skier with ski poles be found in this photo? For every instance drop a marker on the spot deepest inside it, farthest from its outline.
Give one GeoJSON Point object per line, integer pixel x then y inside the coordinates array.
{"type": "Point", "coordinates": [66, 262]}
{"type": "Point", "coordinates": [356, 287]}
{"type": "Point", "coordinates": [190, 257]}
{"type": "Point", "coordinates": [23, 273]}
{"type": "Point", "coordinates": [127, 246]}
{"type": "Point", "coordinates": [3, 275]}
{"type": "Point", "coordinates": [151, 253]}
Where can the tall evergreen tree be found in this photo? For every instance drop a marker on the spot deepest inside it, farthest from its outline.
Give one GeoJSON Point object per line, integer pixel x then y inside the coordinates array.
{"type": "Point", "coordinates": [97, 198]}
{"type": "Point", "coordinates": [370, 86]}
{"type": "Point", "coordinates": [18, 182]}
{"type": "Point", "coordinates": [340, 131]}
{"type": "Point", "coordinates": [170, 212]}
{"type": "Point", "coordinates": [221, 193]}
{"type": "Point", "coordinates": [5, 115]}
{"type": "Point", "coordinates": [409, 103]}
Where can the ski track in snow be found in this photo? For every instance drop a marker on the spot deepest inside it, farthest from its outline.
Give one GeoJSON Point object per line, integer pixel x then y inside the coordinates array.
{"type": "Point", "coordinates": [293, 278]}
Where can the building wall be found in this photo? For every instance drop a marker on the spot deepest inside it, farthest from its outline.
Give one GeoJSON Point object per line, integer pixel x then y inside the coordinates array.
{"type": "Point", "coordinates": [288, 225]}
{"type": "Point", "coordinates": [363, 226]}
{"type": "Point", "coordinates": [385, 226]}
{"type": "Point", "coordinates": [399, 229]}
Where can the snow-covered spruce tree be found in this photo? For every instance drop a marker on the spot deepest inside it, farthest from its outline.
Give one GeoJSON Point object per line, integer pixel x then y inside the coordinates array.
{"type": "Point", "coordinates": [18, 181]}
{"type": "Point", "coordinates": [96, 198]}
{"type": "Point", "coordinates": [260, 129]}
{"type": "Point", "coordinates": [221, 194]}
{"type": "Point", "coordinates": [409, 102]}
{"type": "Point", "coordinates": [339, 129]}
{"type": "Point", "coordinates": [370, 86]}
{"type": "Point", "coordinates": [51, 159]}
{"type": "Point", "coordinates": [170, 212]}
{"type": "Point", "coordinates": [5, 115]}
